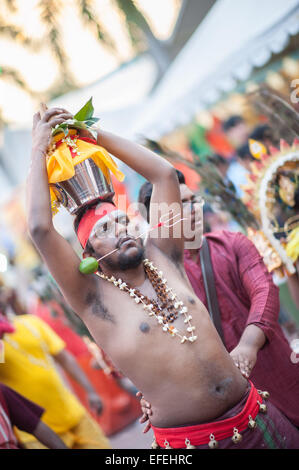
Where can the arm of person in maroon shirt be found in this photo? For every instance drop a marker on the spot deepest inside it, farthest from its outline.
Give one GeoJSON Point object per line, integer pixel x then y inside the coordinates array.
{"type": "Point", "coordinates": [293, 285]}
{"type": "Point", "coordinates": [26, 415]}
{"type": "Point", "coordinates": [264, 309]}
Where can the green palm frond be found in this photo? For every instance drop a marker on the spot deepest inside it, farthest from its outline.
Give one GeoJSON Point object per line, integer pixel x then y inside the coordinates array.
{"type": "Point", "coordinates": [49, 12]}
{"type": "Point", "coordinates": [132, 13]}
{"type": "Point", "coordinates": [17, 34]}
{"type": "Point", "coordinates": [90, 18]}
{"type": "Point", "coordinates": [14, 76]}
{"type": "Point", "coordinates": [11, 5]}
{"type": "Point", "coordinates": [59, 88]}
{"type": "Point", "coordinates": [51, 17]}
{"type": "Point", "coordinates": [135, 21]}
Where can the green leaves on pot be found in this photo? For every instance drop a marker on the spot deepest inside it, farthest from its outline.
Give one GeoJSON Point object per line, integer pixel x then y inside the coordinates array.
{"type": "Point", "coordinates": [83, 119]}
{"type": "Point", "coordinates": [85, 112]}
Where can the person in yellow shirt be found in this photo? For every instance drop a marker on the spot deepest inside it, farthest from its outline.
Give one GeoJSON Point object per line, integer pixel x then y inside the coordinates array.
{"type": "Point", "coordinates": [32, 354]}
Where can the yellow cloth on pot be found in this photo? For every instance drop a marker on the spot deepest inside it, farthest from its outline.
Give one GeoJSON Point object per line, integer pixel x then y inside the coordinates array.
{"type": "Point", "coordinates": [61, 164]}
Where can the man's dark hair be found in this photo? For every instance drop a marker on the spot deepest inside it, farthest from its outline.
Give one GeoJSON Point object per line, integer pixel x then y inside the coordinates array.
{"type": "Point", "coordinates": [231, 122]}
{"type": "Point", "coordinates": [218, 159]}
{"type": "Point", "coordinates": [244, 153]}
{"type": "Point", "coordinates": [261, 132]}
{"type": "Point", "coordinates": [145, 192]}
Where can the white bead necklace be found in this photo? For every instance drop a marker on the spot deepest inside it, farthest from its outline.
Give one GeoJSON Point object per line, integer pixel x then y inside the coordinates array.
{"type": "Point", "coordinates": [178, 305]}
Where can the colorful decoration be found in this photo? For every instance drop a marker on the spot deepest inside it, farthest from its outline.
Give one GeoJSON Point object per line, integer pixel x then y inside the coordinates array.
{"type": "Point", "coordinates": [198, 141]}
{"type": "Point", "coordinates": [257, 149]}
{"type": "Point", "coordinates": [271, 257]}
{"type": "Point", "coordinates": [217, 139]}
{"type": "Point", "coordinates": [292, 247]}
{"type": "Point", "coordinates": [271, 196]}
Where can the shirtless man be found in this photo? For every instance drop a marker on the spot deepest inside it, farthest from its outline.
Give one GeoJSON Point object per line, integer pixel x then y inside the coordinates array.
{"type": "Point", "coordinates": [247, 299]}
{"type": "Point", "coordinates": [187, 383]}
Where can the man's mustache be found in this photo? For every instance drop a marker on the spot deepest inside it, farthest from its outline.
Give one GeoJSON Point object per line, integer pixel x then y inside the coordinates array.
{"type": "Point", "coordinates": [126, 238]}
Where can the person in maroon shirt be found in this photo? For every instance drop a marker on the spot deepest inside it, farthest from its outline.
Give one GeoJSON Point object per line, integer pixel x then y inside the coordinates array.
{"type": "Point", "coordinates": [249, 307]}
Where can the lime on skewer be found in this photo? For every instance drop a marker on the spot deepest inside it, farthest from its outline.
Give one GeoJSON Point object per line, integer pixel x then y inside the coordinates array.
{"type": "Point", "coordinates": [88, 265]}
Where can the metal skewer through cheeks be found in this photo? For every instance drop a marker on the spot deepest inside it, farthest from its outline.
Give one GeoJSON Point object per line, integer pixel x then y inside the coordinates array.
{"type": "Point", "coordinates": [90, 265]}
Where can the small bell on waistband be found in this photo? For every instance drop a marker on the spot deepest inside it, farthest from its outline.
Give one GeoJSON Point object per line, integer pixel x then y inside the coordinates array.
{"type": "Point", "coordinates": [188, 444]}
{"type": "Point", "coordinates": [264, 394]}
{"type": "Point", "coordinates": [166, 445]}
{"type": "Point", "coordinates": [154, 444]}
{"type": "Point", "coordinates": [251, 423]}
{"type": "Point", "coordinates": [236, 437]}
{"type": "Point", "coordinates": [213, 444]}
{"type": "Point", "coordinates": [263, 407]}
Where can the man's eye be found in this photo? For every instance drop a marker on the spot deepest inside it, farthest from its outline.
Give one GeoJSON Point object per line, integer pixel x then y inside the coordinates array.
{"type": "Point", "coordinates": [122, 220]}
{"type": "Point", "coordinates": [101, 229]}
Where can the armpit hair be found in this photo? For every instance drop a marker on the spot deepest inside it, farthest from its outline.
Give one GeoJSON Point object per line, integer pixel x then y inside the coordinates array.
{"type": "Point", "coordinates": [176, 258]}
{"type": "Point", "coordinates": [97, 307]}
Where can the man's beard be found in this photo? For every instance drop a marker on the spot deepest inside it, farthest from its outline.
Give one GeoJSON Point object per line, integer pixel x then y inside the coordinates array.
{"type": "Point", "coordinates": [125, 262]}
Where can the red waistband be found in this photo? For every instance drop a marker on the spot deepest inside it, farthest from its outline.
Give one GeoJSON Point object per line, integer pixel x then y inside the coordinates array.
{"type": "Point", "coordinates": [200, 434]}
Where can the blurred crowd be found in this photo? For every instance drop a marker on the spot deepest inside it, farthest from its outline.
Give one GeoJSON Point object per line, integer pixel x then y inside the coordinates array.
{"type": "Point", "coordinates": [235, 169]}
{"type": "Point", "coordinates": [57, 388]}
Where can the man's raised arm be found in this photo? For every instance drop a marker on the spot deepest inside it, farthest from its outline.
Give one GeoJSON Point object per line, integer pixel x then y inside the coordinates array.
{"type": "Point", "coordinates": [166, 198]}
{"type": "Point", "coordinates": [59, 256]}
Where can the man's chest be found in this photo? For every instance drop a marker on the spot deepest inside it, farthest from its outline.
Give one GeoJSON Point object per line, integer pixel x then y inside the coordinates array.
{"type": "Point", "coordinates": [133, 314]}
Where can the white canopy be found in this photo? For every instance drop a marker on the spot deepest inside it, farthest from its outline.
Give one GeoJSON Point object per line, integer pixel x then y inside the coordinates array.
{"type": "Point", "coordinates": [119, 96]}
{"type": "Point", "coordinates": [235, 37]}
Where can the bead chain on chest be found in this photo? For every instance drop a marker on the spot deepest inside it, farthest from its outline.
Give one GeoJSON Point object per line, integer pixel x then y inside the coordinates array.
{"type": "Point", "coordinates": [167, 298]}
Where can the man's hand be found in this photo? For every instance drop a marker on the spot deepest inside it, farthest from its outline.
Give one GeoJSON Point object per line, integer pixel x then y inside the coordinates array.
{"type": "Point", "coordinates": [146, 409]}
{"type": "Point", "coordinates": [95, 402]}
{"type": "Point", "coordinates": [245, 354]}
{"type": "Point", "coordinates": [42, 128]}
{"type": "Point", "coordinates": [244, 357]}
